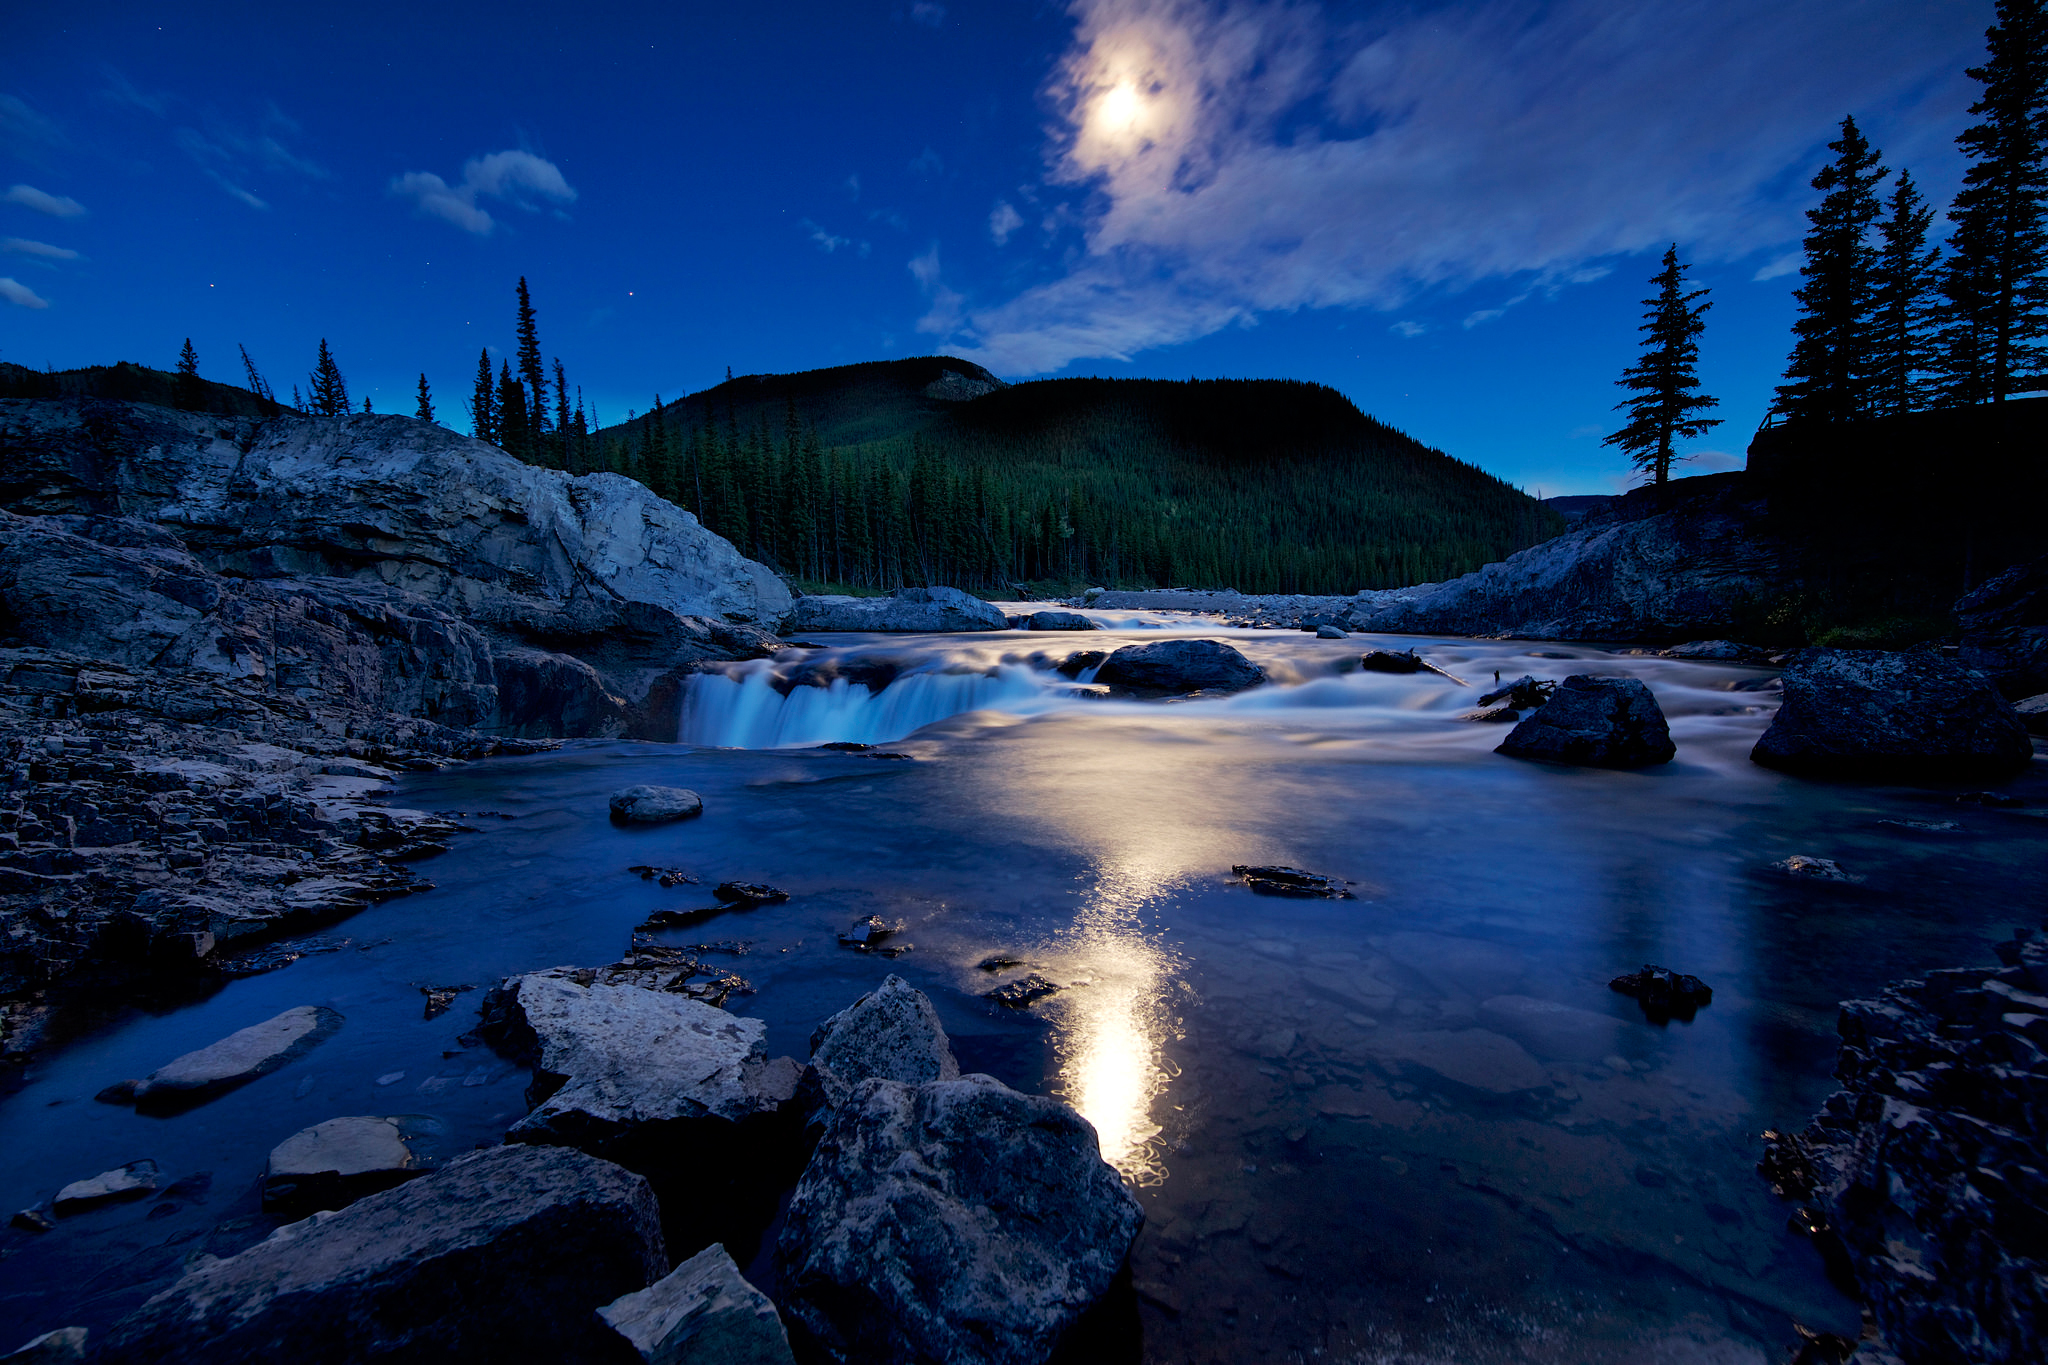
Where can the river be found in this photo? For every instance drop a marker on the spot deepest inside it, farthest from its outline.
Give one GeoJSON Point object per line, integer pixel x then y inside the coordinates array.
{"type": "Point", "coordinates": [1361, 1129]}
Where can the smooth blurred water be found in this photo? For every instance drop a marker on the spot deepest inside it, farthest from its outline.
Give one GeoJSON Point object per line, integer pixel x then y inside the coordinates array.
{"type": "Point", "coordinates": [1355, 1134]}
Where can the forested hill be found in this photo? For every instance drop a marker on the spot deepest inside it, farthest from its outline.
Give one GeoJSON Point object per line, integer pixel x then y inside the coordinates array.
{"type": "Point", "coordinates": [932, 470]}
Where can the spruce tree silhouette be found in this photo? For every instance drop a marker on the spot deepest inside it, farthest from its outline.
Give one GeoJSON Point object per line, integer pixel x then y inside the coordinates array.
{"type": "Point", "coordinates": [1663, 389]}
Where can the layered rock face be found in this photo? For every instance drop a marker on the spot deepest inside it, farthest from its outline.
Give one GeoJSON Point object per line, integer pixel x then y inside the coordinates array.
{"type": "Point", "coordinates": [1873, 713]}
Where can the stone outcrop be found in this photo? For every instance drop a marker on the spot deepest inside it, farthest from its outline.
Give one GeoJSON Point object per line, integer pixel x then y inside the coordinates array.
{"type": "Point", "coordinates": [1927, 1163]}
{"type": "Point", "coordinates": [504, 1254]}
{"type": "Point", "coordinates": [235, 1060]}
{"type": "Point", "coordinates": [891, 1032]}
{"type": "Point", "coordinates": [611, 1051]}
{"type": "Point", "coordinates": [1176, 666]}
{"type": "Point", "coordinates": [905, 610]}
{"type": "Point", "coordinates": [1871, 713]}
{"type": "Point", "coordinates": [2004, 628]}
{"type": "Point", "coordinates": [1595, 723]}
{"type": "Point", "coordinates": [956, 1221]}
{"type": "Point", "coordinates": [701, 1313]}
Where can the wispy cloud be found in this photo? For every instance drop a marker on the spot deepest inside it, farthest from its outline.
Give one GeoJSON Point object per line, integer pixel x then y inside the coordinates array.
{"type": "Point", "coordinates": [1784, 264]}
{"type": "Point", "coordinates": [1002, 221]}
{"type": "Point", "coordinates": [21, 246]}
{"type": "Point", "coordinates": [20, 295]}
{"type": "Point", "coordinates": [927, 163]}
{"type": "Point", "coordinates": [121, 90]}
{"type": "Point", "coordinates": [518, 178]}
{"type": "Point", "coordinates": [946, 304]}
{"type": "Point", "coordinates": [1236, 158]}
{"type": "Point", "coordinates": [24, 132]}
{"type": "Point", "coordinates": [829, 242]}
{"type": "Point", "coordinates": [928, 12]}
{"type": "Point", "coordinates": [1407, 327]}
{"type": "Point", "coordinates": [233, 156]}
{"type": "Point", "coordinates": [1479, 316]}
{"type": "Point", "coordinates": [56, 205]}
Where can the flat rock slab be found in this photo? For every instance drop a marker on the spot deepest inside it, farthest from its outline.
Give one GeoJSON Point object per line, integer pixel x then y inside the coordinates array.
{"type": "Point", "coordinates": [1561, 1032]}
{"type": "Point", "coordinates": [1877, 714]}
{"type": "Point", "coordinates": [1595, 723]}
{"type": "Point", "coordinates": [647, 804]}
{"type": "Point", "coordinates": [956, 1221]}
{"type": "Point", "coordinates": [504, 1254]}
{"type": "Point", "coordinates": [132, 1181]}
{"type": "Point", "coordinates": [703, 1313]}
{"type": "Point", "coordinates": [236, 1060]}
{"type": "Point", "coordinates": [1476, 1058]}
{"type": "Point", "coordinates": [619, 1054]}
{"type": "Point", "coordinates": [334, 1163]}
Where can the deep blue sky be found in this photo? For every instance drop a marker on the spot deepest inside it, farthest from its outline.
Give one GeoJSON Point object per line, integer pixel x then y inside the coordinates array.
{"type": "Point", "coordinates": [1447, 211]}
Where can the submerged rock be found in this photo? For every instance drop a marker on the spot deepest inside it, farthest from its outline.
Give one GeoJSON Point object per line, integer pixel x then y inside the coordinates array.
{"type": "Point", "coordinates": [123, 1183]}
{"type": "Point", "coordinates": [1390, 661]}
{"type": "Point", "coordinates": [1523, 694]}
{"type": "Point", "coordinates": [335, 1163]}
{"type": "Point", "coordinates": [1663, 993]}
{"type": "Point", "coordinates": [1595, 723]}
{"type": "Point", "coordinates": [1292, 881]}
{"type": "Point", "coordinates": [1022, 993]}
{"type": "Point", "coordinates": [652, 805]}
{"type": "Point", "coordinates": [235, 1060]}
{"type": "Point", "coordinates": [906, 610]}
{"type": "Point", "coordinates": [1476, 1058]}
{"type": "Point", "coordinates": [1059, 620]}
{"type": "Point", "coordinates": [701, 1313]}
{"type": "Point", "coordinates": [610, 1054]}
{"type": "Point", "coordinates": [1180, 666]}
{"type": "Point", "coordinates": [747, 895]}
{"type": "Point", "coordinates": [1549, 1029]}
{"type": "Point", "coordinates": [1815, 869]}
{"type": "Point", "coordinates": [870, 934]}
{"type": "Point", "coordinates": [503, 1254]}
{"type": "Point", "coordinates": [956, 1221]}
{"type": "Point", "coordinates": [1877, 714]}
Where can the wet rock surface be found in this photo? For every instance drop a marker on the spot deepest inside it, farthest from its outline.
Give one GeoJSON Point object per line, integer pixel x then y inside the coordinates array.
{"type": "Point", "coordinates": [905, 610]}
{"type": "Point", "coordinates": [338, 1161]}
{"type": "Point", "coordinates": [1927, 1163]}
{"type": "Point", "coordinates": [1878, 714]}
{"type": "Point", "coordinates": [1024, 992]}
{"type": "Point", "coordinates": [502, 1255]}
{"type": "Point", "coordinates": [951, 1221]}
{"type": "Point", "coordinates": [1292, 881]}
{"type": "Point", "coordinates": [235, 1060]}
{"type": "Point", "coordinates": [132, 1181]}
{"type": "Point", "coordinates": [1595, 723]}
{"type": "Point", "coordinates": [1173, 666]}
{"type": "Point", "coordinates": [648, 804]}
{"type": "Point", "coordinates": [702, 1312]}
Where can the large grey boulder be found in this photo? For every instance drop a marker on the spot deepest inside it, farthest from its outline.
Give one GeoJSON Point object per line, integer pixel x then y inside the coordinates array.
{"type": "Point", "coordinates": [1180, 666]}
{"type": "Point", "coordinates": [891, 1032]}
{"type": "Point", "coordinates": [701, 1313]}
{"type": "Point", "coordinates": [610, 1054]}
{"type": "Point", "coordinates": [504, 1254]}
{"type": "Point", "coordinates": [1059, 620]}
{"type": "Point", "coordinates": [956, 1221]}
{"type": "Point", "coordinates": [648, 804]}
{"type": "Point", "coordinates": [1595, 723]}
{"type": "Point", "coordinates": [1873, 713]}
{"type": "Point", "coordinates": [906, 609]}
{"type": "Point", "coordinates": [235, 1060]}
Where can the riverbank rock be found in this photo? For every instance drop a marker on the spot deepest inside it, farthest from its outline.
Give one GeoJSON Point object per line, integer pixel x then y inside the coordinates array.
{"type": "Point", "coordinates": [1927, 1161]}
{"type": "Point", "coordinates": [235, 1060]}
{"type": "Point", "coordinates": [611, 1053]}
{"type": "Point", "coordinates": [1059, 620]}
{"type": "Point", "coordinates": [701, 1313]}
{"type": "Point", "coordinates": [504, 1254]}
{"type": "Point", "coordinates": [335, 1163]}
{"type": "Point", "coordinates": [2033, 713]}
{"type": "Point", "coordinates": [1173, 666]}
{"type": "Point", "coordinates": [891, 1032]}
{"type": "Point", "coordinates": [123, 1183]}
{"type": "Point", "coordinates": [2004, 629]}
{"type": "Point", "coordinates": [647, 804]}
{"type": "Point", "coordinates": [1878, 714]}
{"type": "Point", "coordinates": [1595, 723]}
{"type": "Point", "coordinates": [955, 1221]}
{"type": "Point", "coordinates": [905, 610]}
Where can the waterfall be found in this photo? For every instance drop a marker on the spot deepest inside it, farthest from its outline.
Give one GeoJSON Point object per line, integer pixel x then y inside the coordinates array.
{"type": "Point", "coordinates": [745, 709]}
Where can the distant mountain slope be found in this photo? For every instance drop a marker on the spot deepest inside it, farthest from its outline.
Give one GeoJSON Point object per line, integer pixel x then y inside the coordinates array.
{"type": "Point", "coordinates": [128, 382]}
{"type": "Point", "coordinates": [932, 470]}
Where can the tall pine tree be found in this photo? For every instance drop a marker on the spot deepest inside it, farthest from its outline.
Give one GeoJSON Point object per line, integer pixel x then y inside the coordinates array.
{"type": "Point", "coordinates": [425, 410]}
{"type": "Point", "coordinates": [1900, 344]}
{"type": "Point", "coordinates": [515, 434]}
{"type": "Point", "coordinates": [329, 389]}
{"type": "Point", "coordinates": [1994, 340]}
{"type": "Point", "coordinates": [187, 393]}
{"type": "Point", "coordinates": [257, 385]}
{"type": "Point", "coordinates": [1828, 374]}
{"type": "Point", "coordinates": [1663, 388]}
{"type": "Point", "coordinates": [483, 400]}
{"type": "Point", "coordinates": [531, 374]}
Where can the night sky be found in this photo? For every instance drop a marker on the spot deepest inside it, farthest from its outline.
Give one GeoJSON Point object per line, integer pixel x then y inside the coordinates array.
{"type": "Point", "coordinates": [1446, 211]}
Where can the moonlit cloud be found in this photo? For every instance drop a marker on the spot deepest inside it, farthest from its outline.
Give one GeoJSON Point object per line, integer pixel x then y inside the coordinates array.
{"type": "Point", "coordinates": [121, 90]}
{"type": "Point", "coordinates": [233, 157]}
{"type": "Point", "coordinates": [20, 295]}
{"type": "Point", "coordinates": [1003, 221]}
{"type": "Point", "coordinates": [830, 243]}
{"type": "Point", "coordinates": [56, 205]}
{"type": "Point", "coordinates": [21, 246]}
{"type": "Point", "coordinates": [1239, 158]}
{"type": "Point", "coordinates": [515, 177]}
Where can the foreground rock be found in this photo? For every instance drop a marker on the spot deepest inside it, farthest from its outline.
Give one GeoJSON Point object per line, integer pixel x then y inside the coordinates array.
{"type": "Point", "coordinates": [1174, 666]}
{"type": "Point", "coordinates": [612, 1051]}
{"type": "Point", "coordinates": [905, 610]}
{"type": "Point", "coordinates": [123, 1183]}
{"type": "Point", "coordinates": [892, 1032]}
{"type": "Point", "coordinates": [235, 1060]}
{"type": "Point", "coordinates": [1927, 1162]}
{"type": "Point", "coordinates": [334, 1163]}
{"type": "Point", "coordinates": [955, 1221]}
{"type": "Point", "coordinates": [1877, 714]}
{"type": "Point", "coordinates": [503, 1255]}
{"type": "Point", "coordinates": [701, 1312]}
{"type": "Point", "coordinates": [1595, 723]}
{"type": "Point", "coordinates": [652, 805]}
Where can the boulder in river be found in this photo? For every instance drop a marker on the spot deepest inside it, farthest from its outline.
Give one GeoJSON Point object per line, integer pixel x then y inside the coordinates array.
{"type": "Point", "coordinates": [1878, 714]}
{"type": "Point", "coordinates": [905, 610]}
{"type": "Point", "coordinates": [1663, 993]}
{"type": "Point", "coordinates": [747, 895]}
{"type": "Point", "coordinates": [1595, 723]}
{"type": "Point", "coordinates": [1292, 881]}
{"type": "Point", "coordinates": [1330, 632]}
{"type": "Point", "coordinates": [334, 1163]}
{"type": "Point", "coordinates": [701, 1313]}
{"type": "Point", "coordinates": [647, 804]}
{"type": "Point", "coordinates": [1059, 620]}
{"type": "Point", "coordinates": [235, 1060]}
{"type": "Point", "coordinates": [1390, 661]}
{"type": "Point", "coordinates": [123, 1183]}
{"type": "Point", "coordinates": [610, 1054]}
{"type": "Point", "coordinates": [504, 1254]}
{"type": "Point", "coordinates": [956, 1221]}
{"type": "Point", "coordinates": [1180, 666]}
{"type": "Point", "coordinates": [892, 1032]}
